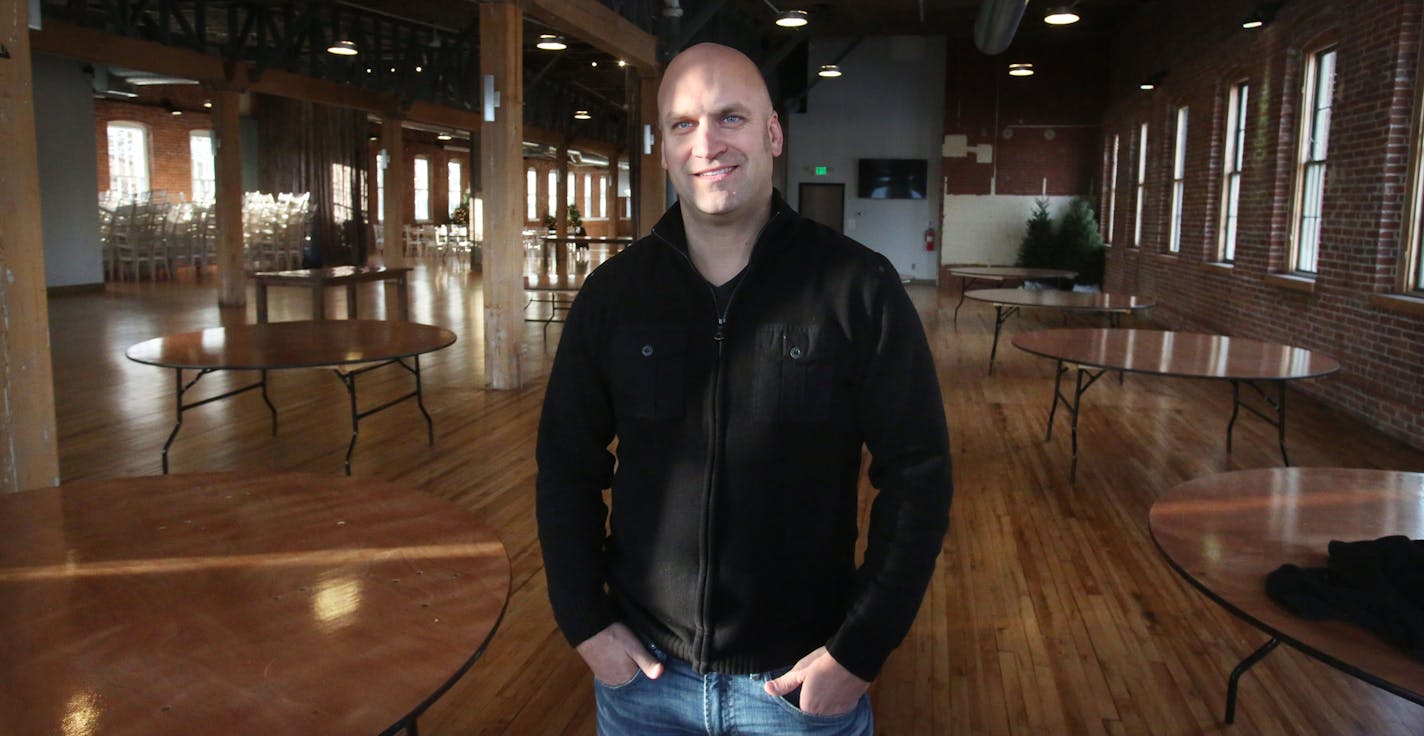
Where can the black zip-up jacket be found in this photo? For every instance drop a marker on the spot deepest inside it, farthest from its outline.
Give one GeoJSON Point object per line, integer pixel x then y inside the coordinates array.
{"type": "Point", "coordinates": [731, 542]}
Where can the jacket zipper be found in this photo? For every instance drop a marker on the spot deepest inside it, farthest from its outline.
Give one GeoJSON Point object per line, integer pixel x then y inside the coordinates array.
{"type": "Point", "coordinates": [702, 642]}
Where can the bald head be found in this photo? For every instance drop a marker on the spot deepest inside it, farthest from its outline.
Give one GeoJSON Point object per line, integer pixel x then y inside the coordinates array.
{"type": "Point", "coordinates": [719, 135]}
{"type": "Point", "coordinates": [708, 65]}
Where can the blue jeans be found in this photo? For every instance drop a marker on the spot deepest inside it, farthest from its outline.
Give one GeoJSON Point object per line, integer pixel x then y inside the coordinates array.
{"type": "Point", "coordinates": [683, 702]}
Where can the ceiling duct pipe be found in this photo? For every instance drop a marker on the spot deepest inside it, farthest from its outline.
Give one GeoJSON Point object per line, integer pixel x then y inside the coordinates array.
{"type": "Point", "coordinates": [996, 23]}
{"type": "Point", "coordinates": [671, 26]}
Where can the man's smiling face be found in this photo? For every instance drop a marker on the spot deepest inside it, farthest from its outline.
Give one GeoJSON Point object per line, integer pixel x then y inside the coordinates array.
{"type": "Point", "coordinates": [719, 132]}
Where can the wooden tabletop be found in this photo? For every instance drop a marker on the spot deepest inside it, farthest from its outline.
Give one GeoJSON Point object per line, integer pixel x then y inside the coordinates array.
{"type": "Point", "coordinates": [590, 238]}
{"type": "Point", "coordinates": [1058, 299]}
{"type": "Point", "coordinates": [226, 603]}
{"type": "Point", "coordinates": [292, 344]}
{"type": "Point", "coordinates": [1224, 533]}
{"type": "Point", "coordinates": [1185, 354]}
{"type": "Point", "coordinates": [330, 276]}
{"type": "Point", "coordinates": [990, 273]}
{"type": "Point", "coordinates": [554, 282]}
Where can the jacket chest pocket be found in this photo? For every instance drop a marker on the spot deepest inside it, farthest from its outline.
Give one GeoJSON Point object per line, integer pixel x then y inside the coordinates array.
{"type": "Point", "coordinates": [649, 370]}
{"type": "Point", "coordinates": [796, 373]}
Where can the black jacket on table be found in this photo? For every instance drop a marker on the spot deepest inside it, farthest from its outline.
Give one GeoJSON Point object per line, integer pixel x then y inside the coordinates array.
{"type": "Point", "coordinates": [731, 542]}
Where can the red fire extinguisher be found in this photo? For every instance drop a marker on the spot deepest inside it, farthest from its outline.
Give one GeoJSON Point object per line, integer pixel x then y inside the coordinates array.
{"type": "Point", "coordinates": [929, 238]}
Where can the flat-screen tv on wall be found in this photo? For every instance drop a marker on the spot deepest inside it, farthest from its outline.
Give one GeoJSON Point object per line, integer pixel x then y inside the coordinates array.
{"type": "Point", "coordinates": [893, 178]}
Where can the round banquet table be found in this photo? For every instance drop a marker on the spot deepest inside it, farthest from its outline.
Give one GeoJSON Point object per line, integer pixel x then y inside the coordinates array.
{"type": "Point", "coordinates": [1238, 360]}
{"type": "Point", "coordinates": [1008, 302]}
{"type": "Point", "coordinates": [1225, 533]}
{"type": "Point", "coordinates": [226, 603]}
{"type": "Point", "coordinates": [351, 347]}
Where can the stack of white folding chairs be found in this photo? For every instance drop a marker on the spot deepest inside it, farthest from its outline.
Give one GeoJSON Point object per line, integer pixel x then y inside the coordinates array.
{"type": "Point", "coordinates": [275, 230]}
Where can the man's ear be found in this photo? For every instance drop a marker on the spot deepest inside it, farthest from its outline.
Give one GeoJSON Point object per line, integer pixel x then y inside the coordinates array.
{"type": "Point", "coordinates": [774, 137]}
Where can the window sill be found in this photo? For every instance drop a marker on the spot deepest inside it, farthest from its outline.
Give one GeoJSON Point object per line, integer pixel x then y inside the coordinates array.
{"type": "Point", "coordinates": [1291, 282]}
{"type": "Point", "coordinates": [1221, 267]}
{"type": "Point", "coordinates": [1166, 257]}
{"type": "Point", "coordinates": [1398, 303]}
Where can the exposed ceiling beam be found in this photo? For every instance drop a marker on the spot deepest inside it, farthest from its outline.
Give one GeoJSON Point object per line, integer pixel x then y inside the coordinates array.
{"type": "Point", "coordinates": [606, 30]}
{"type": "Point", "coordinates": [76, 42]}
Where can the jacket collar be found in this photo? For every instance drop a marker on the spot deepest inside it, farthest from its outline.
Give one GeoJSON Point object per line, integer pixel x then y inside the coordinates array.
{"type": "Point", "coordinates": [670, 228]}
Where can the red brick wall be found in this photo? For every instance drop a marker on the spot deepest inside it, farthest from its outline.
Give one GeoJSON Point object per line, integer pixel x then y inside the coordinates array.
{"type": "Point", "coordinates": [1203, 50]}
{"type": "Point", "coordinates": [170, 161]}
{"type": "Point", "coordinates": [1052, 118]}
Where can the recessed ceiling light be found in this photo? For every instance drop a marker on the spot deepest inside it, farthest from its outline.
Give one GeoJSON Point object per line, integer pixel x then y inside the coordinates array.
{"type": "Point", "coordinates": [550, 42]}
{"type": "Point", "coordinates": [1022, 69]}
{"type": "Point", "coordinates": [622, 63]}
{"type": "Point", "coordinates": [792, 18]}
{"type": "Point", "coordinates": [208, 104]}
{"type": "Point", "coordinates": [829, 71]}
{"type": "Point", "coordinates": [418, 69]}
{"type": "Point", "coordinates": [442, 137]}
{"type": "Point", "coordinates": [582, 115]}
{"type": "Point", "coordinates": [1061, 15]}
{"type": "Point", "coordinates": [342, 48]}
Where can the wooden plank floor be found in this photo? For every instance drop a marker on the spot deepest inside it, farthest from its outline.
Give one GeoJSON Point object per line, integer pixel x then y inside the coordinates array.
{"type": "Point", "coordinates": [1051, 611]}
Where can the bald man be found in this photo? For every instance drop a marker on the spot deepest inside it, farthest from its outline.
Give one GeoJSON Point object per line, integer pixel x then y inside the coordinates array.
{"type": "Point", "coordinates": [742, 357]}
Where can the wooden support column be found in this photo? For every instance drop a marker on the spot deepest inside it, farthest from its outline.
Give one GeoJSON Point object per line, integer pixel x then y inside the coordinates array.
{"type": "Point", "coordinates": [561, 210]}
{"type": "Point", "coordinates": [29, 454]}
{"type": "Point", "coordinates": [502, 174]}
{"type": "Point", "coordinates": [651, 198]}
{"type": "Point", "coordinates": [227, 198]}
{"type": "Point", "coordinates": [395, 182]}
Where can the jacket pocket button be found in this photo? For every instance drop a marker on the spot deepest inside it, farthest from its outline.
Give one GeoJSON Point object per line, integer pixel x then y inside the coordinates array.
{"type": "Point", "coordinates": [647, 351]}
{"type": "Point", "coordinates": [795, 353]}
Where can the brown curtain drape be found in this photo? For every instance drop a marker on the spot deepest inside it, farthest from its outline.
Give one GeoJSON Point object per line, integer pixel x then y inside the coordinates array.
{"type": "Point", "coordinates": [308, 147]}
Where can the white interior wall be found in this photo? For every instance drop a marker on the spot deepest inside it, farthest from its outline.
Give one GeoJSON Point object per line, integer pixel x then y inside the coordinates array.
{"type": "Point", "coordinates": [888, 104]}
{"type": "Point", "coordinates": [983, 228]}
{"type": "Point", "coordinates": [69, 172]}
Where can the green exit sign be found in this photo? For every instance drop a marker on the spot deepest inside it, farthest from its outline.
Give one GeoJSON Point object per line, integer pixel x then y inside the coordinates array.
{"type": "Point", "coordinates": [822, 170]}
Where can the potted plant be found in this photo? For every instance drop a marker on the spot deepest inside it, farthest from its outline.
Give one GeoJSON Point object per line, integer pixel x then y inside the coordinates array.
{"type": "Point", "coordinates": [1081, 245]}
{"type": "Point", "coordinates": [461, 214]}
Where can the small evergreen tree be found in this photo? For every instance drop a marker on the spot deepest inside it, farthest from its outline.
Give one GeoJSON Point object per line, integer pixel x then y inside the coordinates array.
{"type": "Point", "coordinates": [1080, 244]}
{"type": "Point", "coordinates": [1036, 250]}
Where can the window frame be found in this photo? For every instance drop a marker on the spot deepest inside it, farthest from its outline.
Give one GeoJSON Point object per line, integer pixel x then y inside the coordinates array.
{"type": "Point", "coordinates": [531, 195]}
{"type": "Point", "coordinates": [1409, 280]}
{"type": "Point", "coordinates": [1112, 188]}
{"type": "Point", "coordinates": [143, 157]}
{"type": "Point", "coordinates": [419, 164]}
{"type": "Point", "coordinates": [380, 191]}
{"type": "Point", "coordinates": [1305, 165]}
{"type": "Point", "coordinates": [1180, 126]}
{"type": "Point", "coordinates": [1140, 183]}
{"type": "Point", "coordinates": [454, 185]}
{"type": "Point", "coordinates": [205, 185]}
{"type": "Point", "coordinates": [1233, 163]}
{"type": "Point", "coordinates": [553, 197]}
